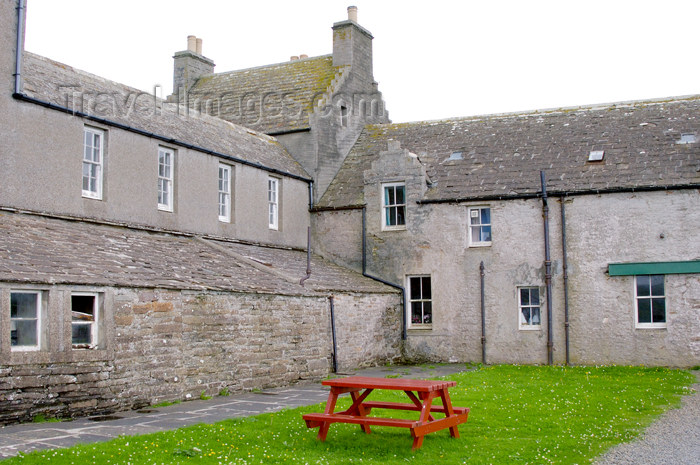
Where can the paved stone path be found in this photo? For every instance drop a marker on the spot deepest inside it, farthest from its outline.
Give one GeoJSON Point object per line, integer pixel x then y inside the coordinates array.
{"type": "Point", "coordinates": [36, 436]}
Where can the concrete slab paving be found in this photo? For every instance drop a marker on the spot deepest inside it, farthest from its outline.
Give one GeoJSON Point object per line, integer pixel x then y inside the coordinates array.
{"type": "Point", "coordinates": [38, 436]}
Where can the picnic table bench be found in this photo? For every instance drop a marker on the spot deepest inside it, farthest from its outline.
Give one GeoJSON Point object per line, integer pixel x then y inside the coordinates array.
{"type": "Point", "coordinates": [420, 392]}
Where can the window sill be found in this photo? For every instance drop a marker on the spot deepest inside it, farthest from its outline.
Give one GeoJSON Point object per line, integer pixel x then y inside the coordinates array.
{"type": "Point", "coordinates": [394, 228]}
{"type": "Point", "coordinates": [530, 328]}
{"type": "Point", "coordinates": [91, 196]}
{"type": "Point", "coordinates": [651, 326]}
{"type": "Point", "coordinates": [480, 244]}
{"type": "Point", "coordinates": [420, 328]}
{"type": "Point", "coordinates": [165, 208]}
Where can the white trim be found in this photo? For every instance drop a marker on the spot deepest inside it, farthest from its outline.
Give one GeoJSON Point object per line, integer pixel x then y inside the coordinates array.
{"type": "Point", "coordinates": [477, 209]}
{"type": "Point", "coordinates": [531, 327]}
{"type": "Point", "coordinates": [225, 192]}
{"type": "Point", "coordinates": [409, 313]}
{"type": "Point", "coordinates": [273, 189]}
{"type": "Point", "coordinates": [97, 193]}
{"type": "Point", "coordinates": [94, 325]}
{"type": "Point", "coordinates": [639, 325]}
{"type": "Point", "coordinates": [167, 179]}
{"type": "Point", "coordinates": [39, 321]}
{"type": "Point", "coordinates": [385, 226]}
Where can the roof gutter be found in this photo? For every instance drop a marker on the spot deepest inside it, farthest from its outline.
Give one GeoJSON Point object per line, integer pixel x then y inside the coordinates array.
{"type": "Point", "coordinates": [536, 195]}
{"type": "Point", "coordinates": [21, 8]}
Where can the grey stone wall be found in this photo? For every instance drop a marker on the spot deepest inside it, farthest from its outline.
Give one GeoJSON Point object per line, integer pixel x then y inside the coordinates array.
{"type": "Point", "coordinates": [164, 345]}
{"type": "Point", "coordinates": [601, 229]}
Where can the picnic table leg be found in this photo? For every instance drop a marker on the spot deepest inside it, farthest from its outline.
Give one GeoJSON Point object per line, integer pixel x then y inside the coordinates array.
{"type": "Point", "coordinates": [330, 406]}
{"type": "Point", "coordinates": [449, 411]}
{"type": "Point", "coordinates": [360, 410]}
{"type": "Point", "coordinates": [424, 418]}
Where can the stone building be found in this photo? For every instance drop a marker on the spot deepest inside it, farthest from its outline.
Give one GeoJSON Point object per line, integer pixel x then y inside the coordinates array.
{"type": "Point", "coordinates": [153, 250]}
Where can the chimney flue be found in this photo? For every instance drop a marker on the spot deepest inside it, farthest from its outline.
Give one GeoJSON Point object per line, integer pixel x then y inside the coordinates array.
{"type": "Point", "coordinates": [293, 58]}
{"type": "Point", "coordinates": [199, 46]}
{"type": "Point", "coordinates": [352, 13]}
{"type": "Point", "coordinates": [192, 44]}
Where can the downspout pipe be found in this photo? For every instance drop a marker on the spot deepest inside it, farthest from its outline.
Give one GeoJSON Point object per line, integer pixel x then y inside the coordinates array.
{"type": "Point", "coordinates": [308, 256]}
{"type": "Point", "coordinates": [367, 275]}
{"type": "Point", "coordinates": [483, 315]}
{"type": "Point", "coordinates": [547, 268]}
{"type": "Point", "coordinates": [566, 279]}
{"type": "Point", "coordinates": [19, 48]}
{"type": "Point", "coordinates": [331, 303]}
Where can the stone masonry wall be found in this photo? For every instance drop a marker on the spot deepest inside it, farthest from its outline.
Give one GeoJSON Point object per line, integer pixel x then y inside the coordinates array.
{"type": "Point", "coordinates": [166, 345]}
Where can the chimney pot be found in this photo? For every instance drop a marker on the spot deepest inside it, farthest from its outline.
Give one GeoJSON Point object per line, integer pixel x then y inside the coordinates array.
{"type": "Point", "coordinates": [199, 46]}
{"type": "Point", "coordinates": [293, 58]}
{"type": "Point", "coordinates": [191, 43]}
{"type": "Point", "coordinates": [352, 13]}
{"type": "Point", "coordinates": [303, 55]}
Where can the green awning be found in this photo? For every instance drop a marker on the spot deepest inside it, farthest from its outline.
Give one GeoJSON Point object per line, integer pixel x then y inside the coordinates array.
{"type": "Point", "coordinates": [630, 269]}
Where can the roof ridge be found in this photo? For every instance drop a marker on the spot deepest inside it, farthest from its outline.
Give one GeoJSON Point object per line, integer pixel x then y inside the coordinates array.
{"type": "Point", "coordinates": [553, 110]}
{"type": "Point", "coordinates": [272, 65]}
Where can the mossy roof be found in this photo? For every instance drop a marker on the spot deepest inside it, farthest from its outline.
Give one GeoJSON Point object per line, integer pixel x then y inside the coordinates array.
{"type": "Point", "coordinates": [45, 250]}
{"type": "Point", "coordinates": [270, 99]}
{"type": "Point", "coordinates": [502, 155]}
{"type": "Point", "coordinates": [62, 85]}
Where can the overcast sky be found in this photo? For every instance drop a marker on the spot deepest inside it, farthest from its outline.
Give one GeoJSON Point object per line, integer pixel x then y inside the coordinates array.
{"type": "Point", "coordinates": [433, 59]}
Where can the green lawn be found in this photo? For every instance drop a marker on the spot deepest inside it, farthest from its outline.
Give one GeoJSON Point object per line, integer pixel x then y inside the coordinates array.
{"type": "Point", "coordinates": [519, 415]}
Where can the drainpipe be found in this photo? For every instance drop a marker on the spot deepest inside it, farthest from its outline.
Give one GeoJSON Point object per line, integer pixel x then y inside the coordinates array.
{"type": "Point", "coordinates": [311, 195]}
{"type": "Point", "coordinates": [483, 316]}
{"type": "Point", "coordinates": [21, 7]}
{"type": "Point", "coordinates": [566, 280]}
{"type": "Point", "coordinates": [364, 273]}
{"type": "Point", "coordinates": [547, 268]}
{"type": "Point", "coordinates": [331, 303]}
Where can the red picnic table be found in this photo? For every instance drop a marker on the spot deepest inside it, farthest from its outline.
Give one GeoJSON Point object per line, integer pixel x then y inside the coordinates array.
{"type": "Point", "coordinates": [421, 401]}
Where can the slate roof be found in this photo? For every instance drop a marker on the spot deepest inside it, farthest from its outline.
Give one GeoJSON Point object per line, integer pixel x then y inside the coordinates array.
{"type": "Point", "coordinates": [62, 85]}
{"type": "Point", "coordinates": [37, 249]}
{"type": "Point", "coordinates": [503, 154]}
{"type": "Point", "coordinates": [288, 91]}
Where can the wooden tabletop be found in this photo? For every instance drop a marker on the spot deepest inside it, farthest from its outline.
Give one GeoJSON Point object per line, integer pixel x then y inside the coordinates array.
{"type": "Point", "coordinates": [399, 384]}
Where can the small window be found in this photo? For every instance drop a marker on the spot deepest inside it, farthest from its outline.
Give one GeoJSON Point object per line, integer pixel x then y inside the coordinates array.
{"type": "Point", "coordinates": [344, 116]}
{"type": "Point", "coordinates": [650, 301]}
{"type": "Point", "coordinates": [421, 303]}
{"type": "Point", "coordinates": [84, 320]}
{"type": "Point", "coordinates": [596, 155]}
{"type": "Point", "coordinates": [529, 307]}
{"type": "Point", "coordinates": [273, 202]}
{"type": "Point", "coordinates": [394, 206]}
{"type": "Point", "coordinates": [224, 193]}
{"type": "Point", "coordinates": [455, 156]}
{"type": "Point", "coordinates": [25, 320]}
{"type": "Point", "coordinates": [688, 138]}
{"type": "Point", "coordinates": [479, 226]}
{"type": "Point", "coordinates": [166, 158]}
{"type": "Point", "coordinates": [93, 155]}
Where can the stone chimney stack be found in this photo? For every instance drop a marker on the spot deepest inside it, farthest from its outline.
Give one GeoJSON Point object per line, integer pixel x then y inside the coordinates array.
{"type": "Point", "coordinates": [352, 45]}
{"type": "Point", "coordinates": [190, 65]}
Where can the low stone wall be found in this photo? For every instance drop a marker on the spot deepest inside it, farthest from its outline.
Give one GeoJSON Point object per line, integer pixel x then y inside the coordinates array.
{"type": "Point", "coordinates": [161, 345]}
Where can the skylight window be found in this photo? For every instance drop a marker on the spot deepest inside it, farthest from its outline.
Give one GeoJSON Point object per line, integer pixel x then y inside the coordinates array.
{"type": "Point", "coordinates": [688, 138]}
{"type": "Point", "coordinates": [455, 156]}
{"type": "Point", "coordinates": [596, 155]}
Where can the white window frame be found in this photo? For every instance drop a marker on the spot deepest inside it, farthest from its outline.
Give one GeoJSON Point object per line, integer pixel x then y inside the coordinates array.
{"type": "Point", "coordinates": [166, 177]}
{"type": "Point", "coordinates": [94, 325]}
{"type": "Point", "coordinates": [470, 214]}
{"type": "Point", "coordinates": [225, 192]}
{"type": "Point", "coordinates": [521, 325]}
{"type": "Point", "coordinates": [386, 207]}
{"type": "Point", "coordinates": [39, 321]}
{"type": "Point", "coordinates": [651, 297]}
{"type": "Point", "coordinates": [89, 163]}
{"type": "Point", "coordinates": [422, 300]}
{"type": "Point", "coordinates": [273, 185]}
